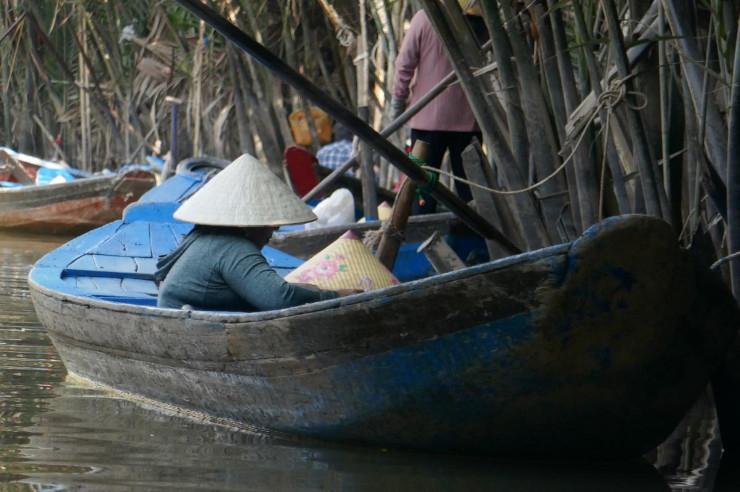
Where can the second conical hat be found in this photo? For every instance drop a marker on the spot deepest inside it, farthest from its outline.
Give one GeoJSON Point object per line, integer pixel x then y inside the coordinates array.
{"type": "Point", "coordinates": [344, 264]}
{"type": "Point", "coordinates": [245, 194]}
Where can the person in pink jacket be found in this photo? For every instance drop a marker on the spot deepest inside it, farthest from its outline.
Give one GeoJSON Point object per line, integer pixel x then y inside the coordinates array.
{"type": "Point", "coordinates": [447, 122]}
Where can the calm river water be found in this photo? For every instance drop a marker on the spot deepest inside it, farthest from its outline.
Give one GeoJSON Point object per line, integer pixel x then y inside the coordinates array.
{"type": "Point", "coordinates": [58, 435]}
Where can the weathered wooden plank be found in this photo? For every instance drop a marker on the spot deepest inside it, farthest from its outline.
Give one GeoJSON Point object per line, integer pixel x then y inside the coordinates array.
{"type": "Point", "coordinates": [442, 257]}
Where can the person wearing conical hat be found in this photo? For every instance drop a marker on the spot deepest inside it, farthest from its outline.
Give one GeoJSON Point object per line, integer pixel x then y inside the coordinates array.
{"type": "Point", "coordinates": [219, 266]}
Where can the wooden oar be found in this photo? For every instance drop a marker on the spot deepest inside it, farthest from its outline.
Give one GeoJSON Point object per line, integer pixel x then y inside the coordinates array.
{"type": "Point", "coordinates": [386, 149]}
{"type": "Point", "coordinates": [393, 232]}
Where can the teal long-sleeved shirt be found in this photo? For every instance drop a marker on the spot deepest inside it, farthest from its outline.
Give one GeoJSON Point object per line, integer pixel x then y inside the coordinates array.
{"type": "Point", "coordinates": [224, 271]}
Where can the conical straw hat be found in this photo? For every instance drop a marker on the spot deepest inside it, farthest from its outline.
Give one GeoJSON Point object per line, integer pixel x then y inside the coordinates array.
{"type": "Point", "coordinates": [245, 194]}
{"type": "Point", "coordinates": [344, 264]}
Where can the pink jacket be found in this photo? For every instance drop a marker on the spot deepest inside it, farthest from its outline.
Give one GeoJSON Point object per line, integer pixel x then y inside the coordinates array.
{"type": "Point", "coordinates": [423, 53]}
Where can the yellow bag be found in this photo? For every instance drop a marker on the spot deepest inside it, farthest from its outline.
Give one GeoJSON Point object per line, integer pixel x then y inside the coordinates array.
{"type": "Point", "coordinates": [344, 264]}
{"type": "Point", "coordinates": [299, 126]}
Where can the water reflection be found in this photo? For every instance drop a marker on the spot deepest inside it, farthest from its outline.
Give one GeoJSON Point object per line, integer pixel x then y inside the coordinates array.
{"type": "Point", "coordinates": [90, 438]}
{"type": "Point", "coordinates": [688, 458]}
{"type": "Point", "coordinates": [57, 434]}
{"type": "Point", "coordinates": [29, 367]}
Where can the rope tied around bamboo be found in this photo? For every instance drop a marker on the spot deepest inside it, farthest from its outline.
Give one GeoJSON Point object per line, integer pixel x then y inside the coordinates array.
{"type": "Point", "coordinates": [607, 100]}
{"type": "Point", "coordinates": [371, 239]}
{"type": "Point", "coordinates": [432, 174]}
{"type": "Point", "coordinates": [345, 35]}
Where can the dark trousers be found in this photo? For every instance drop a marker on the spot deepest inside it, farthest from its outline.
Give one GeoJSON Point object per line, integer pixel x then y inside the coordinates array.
{"type": "Point", "coordinates": [440, 142]}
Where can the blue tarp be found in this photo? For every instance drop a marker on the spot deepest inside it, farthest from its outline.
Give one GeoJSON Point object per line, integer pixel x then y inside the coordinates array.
{"type": "Point", "coordinates": [45, 175]}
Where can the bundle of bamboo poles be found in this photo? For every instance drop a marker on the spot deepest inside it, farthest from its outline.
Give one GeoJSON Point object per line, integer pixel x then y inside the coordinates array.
{"type": "Point", "coordinates": [588, 108]}
{"type": "Point", "coordinates": [605, 108]}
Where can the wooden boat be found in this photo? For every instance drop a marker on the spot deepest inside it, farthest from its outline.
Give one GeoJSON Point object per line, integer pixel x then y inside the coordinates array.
{"type": "Point", "coordinates": [73, 206]}
{"type": "Point", "coordinates": [595, 347]}
{"type": "Point", "coordinates": [22, 169]}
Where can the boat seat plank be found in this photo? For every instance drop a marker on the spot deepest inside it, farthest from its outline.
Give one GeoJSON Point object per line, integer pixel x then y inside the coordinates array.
{"type": "Point", "coordinates": [111, 267]}
{"type": "Point", "coordinates": [133, 291]}
{"type": "Point", "coordinates": [129, 240]}
{"type": "Point", "coordinates": [144, 267]}
{"type": "Point", "coordinates": [85, 263]}
{"type": "Point", "coordinates": [107, 284]}
{"type": "Point", "coordinates": [134, 286]}
{"type": "Point", "coordinates": [86, 283]}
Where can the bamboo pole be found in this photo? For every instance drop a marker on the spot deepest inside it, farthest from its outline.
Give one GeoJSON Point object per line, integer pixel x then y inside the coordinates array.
{"type": "Point", "coordinates": [339, 112]}
{"type": "Point", "coordinates": [315, 140]}
{"type": "Point", "coordinates": [716, 141]}
{"type": "Point", "coordinates": [650, 188]}
{"type": "Point", "coordinates": [612, 156]}
{"type": "Point", "coordinates": [485, 202]}
{"type": "Point", "coordinates": [84, 71]}
{"type": "Point", "coordinates": [555, 88]}
{"type": "Point", "coordinates": [362, 60]}
{"type": "Point", "coordinates": [471, 55]}
{"type": "Point", "coordinates": [197, 94]}
{"type": "Point", "coordinates": [510, 87]}
{"type": "Point", "coordinates": [544, 146]}
{"type": "Point", "coordinates": [584, 170]}
{"type": "Point", "coordinates": [266, 133]}
{"type": "Point", "coordinates": [733, 173]}
{"type": "Point", "coordinates": [665, 110]}
{"type": "Point", "coordinates": [246, 143]}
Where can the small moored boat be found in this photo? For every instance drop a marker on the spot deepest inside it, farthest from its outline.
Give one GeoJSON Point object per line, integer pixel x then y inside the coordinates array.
{"type": "Point", "coordinates": [43, 197]}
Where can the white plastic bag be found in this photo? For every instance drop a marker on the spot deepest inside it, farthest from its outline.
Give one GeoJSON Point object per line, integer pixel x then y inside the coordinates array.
{"type": "Point", "coordinates": [337, 209]}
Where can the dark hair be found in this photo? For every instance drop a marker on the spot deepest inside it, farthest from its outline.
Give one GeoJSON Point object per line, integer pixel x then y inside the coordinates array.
{"type": "Point", "coordinates": [341, 132]}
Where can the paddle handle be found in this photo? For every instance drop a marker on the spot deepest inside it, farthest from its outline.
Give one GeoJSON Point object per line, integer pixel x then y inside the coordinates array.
{"type": "Point", "coordinates": [393, 233]}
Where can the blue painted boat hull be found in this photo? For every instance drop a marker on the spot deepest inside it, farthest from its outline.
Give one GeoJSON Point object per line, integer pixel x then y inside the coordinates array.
{"type": "Point", "coordinates": [593, 348]}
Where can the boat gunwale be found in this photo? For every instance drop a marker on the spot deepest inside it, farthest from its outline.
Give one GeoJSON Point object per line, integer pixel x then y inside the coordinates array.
{"type": "Point", "coordinates": [235, 317]}
{"type": "Point", "coordinates": [80, 181]}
